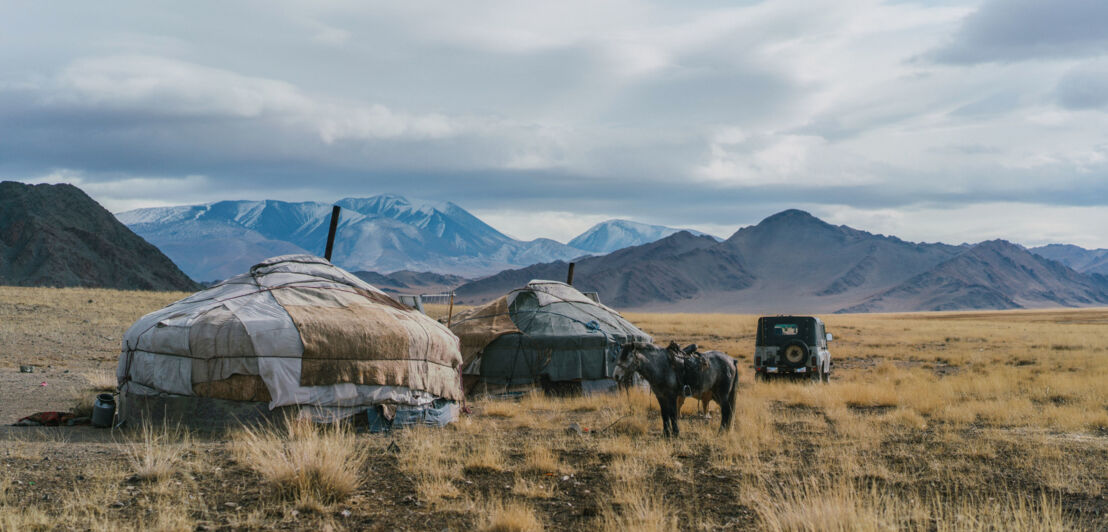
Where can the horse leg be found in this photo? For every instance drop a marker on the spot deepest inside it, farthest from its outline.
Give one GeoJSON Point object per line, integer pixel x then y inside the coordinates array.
{"type": "Point", "coordinates": [673, 418]}
{"type": "Point", "coordinates": [727, 405]}
{"type": "Point", "coordinates": [725, 411]}
{"type": "Point", "coordinates": [669, 415]}
{"type": "Point", "coordinates": [664, 404]}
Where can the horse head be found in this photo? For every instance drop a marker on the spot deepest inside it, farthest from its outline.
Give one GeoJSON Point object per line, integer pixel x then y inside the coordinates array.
{"type": "Point", "coordinates": [629, 361]}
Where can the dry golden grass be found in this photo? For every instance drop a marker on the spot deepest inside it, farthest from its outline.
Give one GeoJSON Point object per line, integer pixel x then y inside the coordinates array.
{"type": "Point", "coordinates": [442, 311]}
{"type": "Point", "coordinates": [483, 456]}
{"type": "Point", "coordinates": [51, 325]}
{"type": "Point", "coordinates": [158, 453]}
{"type": "Point", "coordinates": [508, 516]}
{"type": "Point", "coordinates": [639, 509]}
{"type": "Point", "coordinates": [817, 503]}
{"type": "Point", "coordinates": [539, 458]}
{"type": "Point", "coordinates": [505, 409]}
{"type": "Point", "coordinates": [943, 421]}
{"type": "Point", "coordinates": [430, 458]}
{"type": "Point", "coordinates": [101, 380]}
{"type": "Point", "coordinates": [304, 461]}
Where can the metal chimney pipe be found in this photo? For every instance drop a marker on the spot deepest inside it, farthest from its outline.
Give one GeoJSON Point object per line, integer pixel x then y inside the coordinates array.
{"type": "Point", "coordinates": [569, 276]}
{"type": "Point", "coordinates": [331, 232]}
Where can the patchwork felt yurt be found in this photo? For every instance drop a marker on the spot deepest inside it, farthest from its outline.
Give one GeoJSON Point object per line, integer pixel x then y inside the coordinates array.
{"type": "Point", "coordinates": [296, 334]}
{"type": "Point", "coordinates": [545, 334]}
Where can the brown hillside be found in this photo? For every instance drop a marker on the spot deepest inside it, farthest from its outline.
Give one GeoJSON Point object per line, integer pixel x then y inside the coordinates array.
{"type": "Point", "coordinates": [55, 235]}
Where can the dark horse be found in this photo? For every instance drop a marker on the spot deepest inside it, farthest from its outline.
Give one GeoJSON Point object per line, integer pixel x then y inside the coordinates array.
{"type": "Point", "coordinates": [711, 371]}
{"type": "Point", "coordinates": [688, 365]}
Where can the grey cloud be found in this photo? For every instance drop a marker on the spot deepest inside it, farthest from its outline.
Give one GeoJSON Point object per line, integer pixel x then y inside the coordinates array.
{"type": "Point", "coordinates": [1017, 30]}
{"type": "Point", "coordinates": [565, 126]}
{"type": "Point", "coordinates": [1085, 87]}
{"type": "Point", "coordinates": [967, 149]}
{"type": "Point", "coordinates": [998, 103]}
{"type": "Point", "coordinates": [846, 126]}
{"type": "Point", "coordinates": [706, 93]}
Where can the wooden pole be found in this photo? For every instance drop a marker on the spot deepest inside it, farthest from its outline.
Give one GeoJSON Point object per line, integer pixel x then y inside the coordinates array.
{"type": "Point", "coordinates": [331, 232]}
{"type": "Point", "coordinates": [569, 276]}
{"type": "Point", "coordinates": [450, 314]}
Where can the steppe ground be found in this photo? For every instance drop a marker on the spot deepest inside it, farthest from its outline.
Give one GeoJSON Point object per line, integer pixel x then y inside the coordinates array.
{"type": "Point", "coordinates": [946, 421]}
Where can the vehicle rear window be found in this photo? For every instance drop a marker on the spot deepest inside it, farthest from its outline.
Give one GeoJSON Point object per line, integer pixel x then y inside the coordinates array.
{"type": "Point", "coordinates": [785, 329]}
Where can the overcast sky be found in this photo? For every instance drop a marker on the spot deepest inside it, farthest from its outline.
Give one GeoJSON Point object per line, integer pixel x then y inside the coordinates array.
{"type": "Point", "coordinates": [934, 121]}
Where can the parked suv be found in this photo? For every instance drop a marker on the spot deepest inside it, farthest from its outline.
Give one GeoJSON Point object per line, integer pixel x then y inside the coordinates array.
{"type": "Point", "coordinates": [792, 345]}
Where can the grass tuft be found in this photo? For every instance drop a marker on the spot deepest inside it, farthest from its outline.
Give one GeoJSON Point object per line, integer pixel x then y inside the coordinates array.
{"type": "Point", "coordinates": [159, 451]}
{"type": "Point", "coordinates": [101, 380]}
{"type": "Point", "coordinates": [304, 461]}
{"type": "Point", "coordinates": [508, 516]}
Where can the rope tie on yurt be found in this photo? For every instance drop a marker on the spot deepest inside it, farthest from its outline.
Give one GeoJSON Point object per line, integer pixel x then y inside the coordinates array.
{"type": "Point", "coordinates": [126, 369]}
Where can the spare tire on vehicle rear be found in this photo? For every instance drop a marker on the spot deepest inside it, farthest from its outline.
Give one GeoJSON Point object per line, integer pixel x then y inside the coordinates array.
{"type": "Point", "coordinates": [794, 353]}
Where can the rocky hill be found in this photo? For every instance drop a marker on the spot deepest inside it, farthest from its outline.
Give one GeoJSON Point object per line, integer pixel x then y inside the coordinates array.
{"type": "Point", "coordinates": [631, 276]}
{"type": "Point", "coordinates": [1076, 257]}
{"type": "Point", "coordinates": [55, 235]}
{"type": "Point", "coordinates": [991, 275]}
{"type": "Point", "coordinates": [793, 262]}
{"type": "Point", "coordinates": [409, 282]}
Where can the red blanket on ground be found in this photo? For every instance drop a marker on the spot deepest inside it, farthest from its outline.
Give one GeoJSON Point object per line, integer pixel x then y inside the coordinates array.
{"type": "Point", "coordinates": [52, 419]}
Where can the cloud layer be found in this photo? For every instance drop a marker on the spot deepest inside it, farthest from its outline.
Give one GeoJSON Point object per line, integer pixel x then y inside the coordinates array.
{"type": "Point", "coordinates": [971, 120]}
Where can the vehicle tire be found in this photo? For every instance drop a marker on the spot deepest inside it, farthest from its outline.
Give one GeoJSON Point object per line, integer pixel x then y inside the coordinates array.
{"type": "Point", "coordinates": [826, 376]}
{"type": "Point", "coordinates": [760, 377]}
{"type": "Point", "coordinates": [794, 353]}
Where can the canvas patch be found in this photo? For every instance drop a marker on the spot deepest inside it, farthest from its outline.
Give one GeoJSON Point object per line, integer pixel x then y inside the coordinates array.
{"type": "Point", "coordinates": [234, 388]}
{"type": "Point", "coordinates": [336, 339]}
{"type": "Point", "coordinates": [477, 328]}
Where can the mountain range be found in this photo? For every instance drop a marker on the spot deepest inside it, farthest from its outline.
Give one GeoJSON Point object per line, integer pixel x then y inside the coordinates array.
{"type": "Point", "coordinates": [795, 262]}
{"type": "Point", "coordinates": [1078, 258]}
{"type": "Point", "coordinates": [609, 236]}
{"type": "Point", "coordinates": [55, 235]}
{"type": "Point", "coordinates": [409, 282]}
{"type": "Point", "coordinates": [384, 233]}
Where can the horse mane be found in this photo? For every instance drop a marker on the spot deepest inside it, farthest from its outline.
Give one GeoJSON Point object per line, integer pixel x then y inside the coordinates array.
{"type": "Point", "coordinates": [636, 346]}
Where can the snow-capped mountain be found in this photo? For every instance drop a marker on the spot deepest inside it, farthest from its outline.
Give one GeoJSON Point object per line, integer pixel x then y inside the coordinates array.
{"type": "Point", "coordinates": [381, 233]}
{"type": "Point", "coordinates": [609, 236]}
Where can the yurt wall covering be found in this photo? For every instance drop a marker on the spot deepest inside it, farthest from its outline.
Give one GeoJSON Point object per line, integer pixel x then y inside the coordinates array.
{"type": "Point", "coordinates": [546, 334]}
{"type": "Point", "coordinates": [294, 332]}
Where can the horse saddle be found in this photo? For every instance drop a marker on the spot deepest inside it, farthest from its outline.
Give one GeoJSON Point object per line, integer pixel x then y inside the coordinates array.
{"type": "Point", "coordinates": [688, 364]}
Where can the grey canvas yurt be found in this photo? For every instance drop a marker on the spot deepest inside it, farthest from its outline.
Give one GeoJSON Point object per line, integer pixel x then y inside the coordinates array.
{"type": "Point", "coordinates": [545, 334]}
{"type": "Point", "coordinates": [293, 335]}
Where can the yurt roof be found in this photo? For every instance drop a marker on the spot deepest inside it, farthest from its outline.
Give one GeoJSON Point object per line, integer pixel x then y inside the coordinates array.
{"type": "Point", "coordinates": [310, 332]}
{"type": "Point", "coordinates": [542, 308]}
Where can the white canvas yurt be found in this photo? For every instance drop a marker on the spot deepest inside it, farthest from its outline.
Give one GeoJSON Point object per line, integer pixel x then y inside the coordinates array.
{"type": "Point", "coordinates": [296, 334]}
